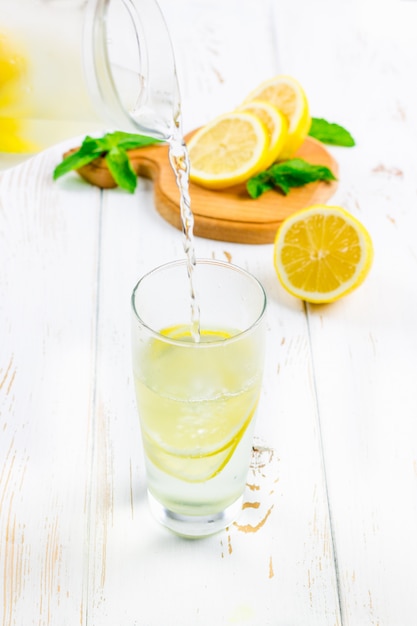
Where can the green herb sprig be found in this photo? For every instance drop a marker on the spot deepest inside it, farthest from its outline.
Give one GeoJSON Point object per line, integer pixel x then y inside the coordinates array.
{"type": "Point", "coordinates": [286, 175]}
{"type": "Point", "coordinates": [330, 133]}
{"type": "Point", "coordinates": [113, 147]}
{"type": "Point", "coordinates": [297, 172]}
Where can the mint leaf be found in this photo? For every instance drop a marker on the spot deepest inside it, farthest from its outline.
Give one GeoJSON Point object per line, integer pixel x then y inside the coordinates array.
{"type": "Point", "coordinates": [90, 149]}
{"type": "Point", "coordinates": [113, 147]}
{"type": "Point", "coordinates": [129, 141]}
{"type": "Point", "coordinates": [330, 133]}
{"type": "Point", "coordinates": [286, 175]}
{"type": "Point", "coordinates": [259, 184]}
{"type": "Point", "coordinates": [121, 169]}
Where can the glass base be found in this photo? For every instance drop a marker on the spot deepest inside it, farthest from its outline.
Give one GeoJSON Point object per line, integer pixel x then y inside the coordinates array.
{"type": "Point", "coordinates": [194, 526]}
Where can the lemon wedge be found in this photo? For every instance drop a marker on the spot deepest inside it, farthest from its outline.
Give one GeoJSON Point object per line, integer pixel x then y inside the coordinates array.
{"type": "Point", "coordinates": [276, 125]}
{"type": "Point", "coordinates": [322, 253]}
{"type": "Point", "coordinates": [228, 150]}
{"type": "Point", "coordinates": [287, 95]}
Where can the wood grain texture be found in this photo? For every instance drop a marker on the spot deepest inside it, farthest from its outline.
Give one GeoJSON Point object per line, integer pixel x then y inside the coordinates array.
{"type": "Point", "coordinates": [277, 559]}
{"type": "Point", "coordinates": [367, 407]}
{"type": "Point", "coordinates": [327, 534]}
{"type": "Point", "coordinates": [227, 215]}
{"type": "Point", "coordinates": [47, 355]}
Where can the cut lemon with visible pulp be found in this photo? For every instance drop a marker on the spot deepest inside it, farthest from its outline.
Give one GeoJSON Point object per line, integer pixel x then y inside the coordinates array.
{"type": "Point", "coordinates": [228, 150]}
{"type": "Point", "coordinates": [287, 95]}
{"type": "Point", "coordinates": [322, 253]}
{"type": "Point", "coordinates": [276, 125]}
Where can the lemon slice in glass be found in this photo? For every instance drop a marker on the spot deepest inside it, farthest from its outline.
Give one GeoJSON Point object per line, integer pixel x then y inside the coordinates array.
{"type": "Point", "coordinates": [192, 424]}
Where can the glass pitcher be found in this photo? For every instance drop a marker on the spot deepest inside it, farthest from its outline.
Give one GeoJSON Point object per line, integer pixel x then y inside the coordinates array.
{"type": "Point", "coordinates": [73, 67]}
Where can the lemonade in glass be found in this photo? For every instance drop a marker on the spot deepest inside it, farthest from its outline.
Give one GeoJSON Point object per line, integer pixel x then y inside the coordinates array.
{"type": "Point", "coordinates": [197, 394]}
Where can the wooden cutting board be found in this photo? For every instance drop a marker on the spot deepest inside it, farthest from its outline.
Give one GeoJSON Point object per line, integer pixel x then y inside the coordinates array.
{"type": "Point", "coordinates": [229, 214]}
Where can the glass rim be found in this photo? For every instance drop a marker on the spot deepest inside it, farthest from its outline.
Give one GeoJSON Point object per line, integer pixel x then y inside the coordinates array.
{"type": "Point", "coordinates": [203, 344]}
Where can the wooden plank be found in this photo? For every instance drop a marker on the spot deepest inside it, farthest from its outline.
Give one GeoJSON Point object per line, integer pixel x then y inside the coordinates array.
{"type": "Point", "coordinates": [365, 346]}
{"type": "Point", "coordinates": [276, 565]}
{"type": "Point", "coordinates": [332, 541]}
{"type": "Point", "coordinates": [48, 280]}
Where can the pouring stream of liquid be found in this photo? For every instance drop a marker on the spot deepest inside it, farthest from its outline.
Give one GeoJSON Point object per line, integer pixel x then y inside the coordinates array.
{"type": "Point", "coordinates": [180, 163]}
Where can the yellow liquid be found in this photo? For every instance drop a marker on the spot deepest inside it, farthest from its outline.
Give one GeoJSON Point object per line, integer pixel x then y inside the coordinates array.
{"type": "Point", "coordinates": [196, 405]}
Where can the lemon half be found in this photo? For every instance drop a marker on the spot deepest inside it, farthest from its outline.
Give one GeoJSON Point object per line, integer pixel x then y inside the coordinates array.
{"type": "Point", "coordinates": [322, 253]}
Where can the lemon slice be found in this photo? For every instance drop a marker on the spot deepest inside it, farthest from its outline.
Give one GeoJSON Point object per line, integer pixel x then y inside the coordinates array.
{"type": "Point", "coordinates": [196, 467]}
{"type": "Point", "coordinates": [192, 425]}
{"type": "Point", "coordinates": [322, 253]}
{"type": "Point", "coordinates": [286, 93]}
{"type": "Point", "coordinates": [228, 150]}
{"type": "Point", "coordinates": [276, 125]}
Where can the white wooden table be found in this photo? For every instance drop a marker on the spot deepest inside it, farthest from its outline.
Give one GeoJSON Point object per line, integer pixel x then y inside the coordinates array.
{"type": "Point", "coordinates": [329, 535]}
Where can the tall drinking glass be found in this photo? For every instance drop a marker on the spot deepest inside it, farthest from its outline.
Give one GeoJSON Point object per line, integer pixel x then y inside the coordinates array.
{"type": "Point", "coordinates": [197, 392]}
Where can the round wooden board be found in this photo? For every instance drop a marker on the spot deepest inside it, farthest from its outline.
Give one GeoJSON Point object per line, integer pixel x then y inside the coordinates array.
{"type": "Point", "coordinates": [229, 214]}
